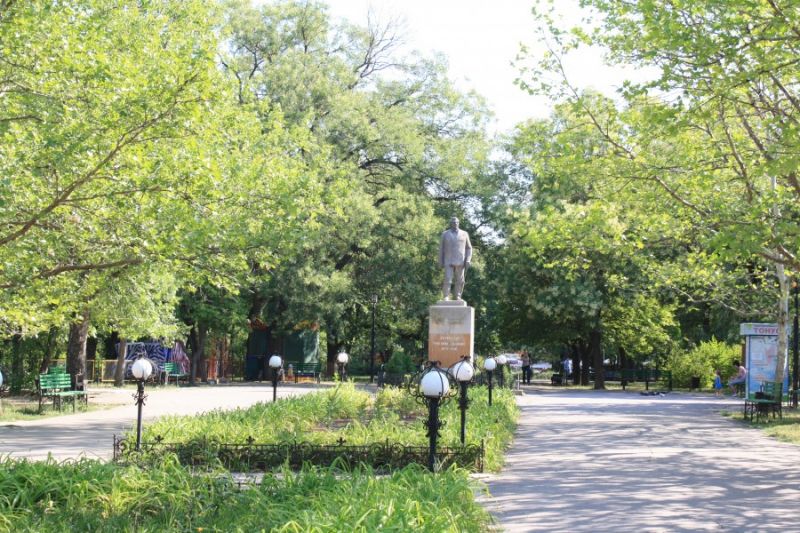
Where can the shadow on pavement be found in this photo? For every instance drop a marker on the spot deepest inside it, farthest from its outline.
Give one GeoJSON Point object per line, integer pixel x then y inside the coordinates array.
{"type": "Point", "coordinates": [596, 461]}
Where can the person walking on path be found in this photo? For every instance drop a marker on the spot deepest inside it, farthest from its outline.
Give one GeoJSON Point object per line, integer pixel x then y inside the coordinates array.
{"type": "Point", "coordinates": [526, 368]}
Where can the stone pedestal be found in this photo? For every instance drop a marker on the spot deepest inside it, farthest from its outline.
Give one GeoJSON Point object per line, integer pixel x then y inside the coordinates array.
{"type": "Point", "coordinates": [451, 331]}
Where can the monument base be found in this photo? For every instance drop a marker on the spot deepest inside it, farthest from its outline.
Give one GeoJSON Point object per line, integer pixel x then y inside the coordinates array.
{"type": "Point", "coordinates": [451, 332]}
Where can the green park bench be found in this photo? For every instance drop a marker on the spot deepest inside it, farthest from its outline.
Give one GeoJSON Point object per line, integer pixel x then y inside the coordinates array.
{"type": "Point", "coordinates": [307, 371]}
{"type": "Point", "coordinates": [768, 400]}
{"type": "Point", "coordinates": [59, 386]}
{"type": "Point", "coordinates": [173, 370]}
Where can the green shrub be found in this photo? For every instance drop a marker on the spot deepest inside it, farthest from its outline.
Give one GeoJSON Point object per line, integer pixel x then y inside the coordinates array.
{"type": "Point", "coordinates": [702, 361]}
{"type": "Point", "coordinates": [399, 363]}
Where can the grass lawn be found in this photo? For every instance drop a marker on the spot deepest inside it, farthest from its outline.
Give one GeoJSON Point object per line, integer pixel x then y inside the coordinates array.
{"type": "Point", "coordinates": [17, 408]}
{"type": "Point", "coordinates": [786, 429]}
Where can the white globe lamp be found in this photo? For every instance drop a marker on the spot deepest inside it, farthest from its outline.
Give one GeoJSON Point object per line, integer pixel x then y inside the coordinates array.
{"type": "Point", "coordinates": [142, 369]}
{"type": "Point", "coordinates": [463, 371]}
{"type": "Point", "coordinates": [341, 359]}
{"type": "Point", "coordinates": [434, 384]}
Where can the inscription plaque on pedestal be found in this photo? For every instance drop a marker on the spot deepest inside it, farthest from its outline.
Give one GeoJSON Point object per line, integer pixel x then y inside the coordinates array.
{"type": "Point", "coordinates": [451, 332]}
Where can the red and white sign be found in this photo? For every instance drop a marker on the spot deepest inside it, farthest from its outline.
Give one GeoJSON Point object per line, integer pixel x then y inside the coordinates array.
{"type": "Point", "coordinates": [750, 328]}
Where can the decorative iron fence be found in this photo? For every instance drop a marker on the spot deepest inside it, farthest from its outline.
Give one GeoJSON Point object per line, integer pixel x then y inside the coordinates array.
{"type": "Point", "coordinates": [253, 457]}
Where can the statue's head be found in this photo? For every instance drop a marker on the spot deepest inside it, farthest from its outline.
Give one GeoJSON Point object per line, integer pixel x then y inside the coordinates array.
{"type": "Point", "coordinates": [454, 223]}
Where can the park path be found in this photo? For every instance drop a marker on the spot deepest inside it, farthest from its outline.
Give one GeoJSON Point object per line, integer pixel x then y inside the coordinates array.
{"type": "Point", "coordinates": [90, 434]}
{"type": "Point", "coordinates": [618, 462]}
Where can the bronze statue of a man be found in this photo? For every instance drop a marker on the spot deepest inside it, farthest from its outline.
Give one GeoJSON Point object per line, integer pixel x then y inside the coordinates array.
{"type": "Point", "coordinates": [455, 254]}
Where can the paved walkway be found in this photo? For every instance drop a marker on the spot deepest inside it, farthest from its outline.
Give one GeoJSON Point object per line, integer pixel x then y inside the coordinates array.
{"type": "Point", "coordinates": [90, 434]}
{"type": "Point", "coordinates": [614, 461]}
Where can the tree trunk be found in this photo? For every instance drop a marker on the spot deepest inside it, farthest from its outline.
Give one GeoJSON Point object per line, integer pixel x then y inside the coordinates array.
{"type": "Point", "coordinates": [622, 364]}
{"type": "Point", "coordinates": [576, 363]}
{"type": "Point", "coordinates": [584, 349]}
{"type": "Point", "coordinates": [76, 347]}
{"type": "Point", "coordinates": [49, 348]}
{"type": "Point", "coordinates": [596, 351]}
{"type": "Point", "coordinates": [783, 323]}
{"type": "Point", "coordinates": [119, 371]}
{"type": "Point", "coordinates": [257, 305]}
{"type": "Point", "coordinates": [17, 365]}
{"type": "Point", "coordinates": [197, 339]}
{"type": "Point", "coordinates": [783, 304]}
{"type": "Point", "coordinates": [332, 351]}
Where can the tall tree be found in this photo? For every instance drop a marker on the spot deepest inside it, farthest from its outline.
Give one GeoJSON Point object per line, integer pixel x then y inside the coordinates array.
{"type": "Point", "coordinates": [390, 147]}
{"type": "Point", "coordinates": [713, 134]}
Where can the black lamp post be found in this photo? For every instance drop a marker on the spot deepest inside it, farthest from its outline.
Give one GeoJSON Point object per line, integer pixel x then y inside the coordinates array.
{"type": "Point", "coordinates": [342, 358]}
{"type": "Point", "coordinates": [501, 363]}
{"type": "Point", "coordinates": [372, 351]}
{"type": "Point", "coordinates": [432, 387]}
{"type": "Point", "coordinates": [141, 370]}
{"type": "Point", "coordinates": [795, 362]}
{"type": "Point", "coordinates": [489, 365]}
{"type": "Point", "coordinates": [275, 363]}
{"type": "Point", "coordinates": [463, 372]}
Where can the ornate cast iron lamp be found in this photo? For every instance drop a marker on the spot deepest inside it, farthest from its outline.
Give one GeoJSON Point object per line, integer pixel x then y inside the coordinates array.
{"type": "Point", "coordinates": [501, 361]}
{"type": "Point", "coordinates": [372, 349]}
{"type": "Point", "coordinates": [432, 387]}
{"type": "Point", "coordinates": [275, 363]}
{"type": "Point", "coordinates": [141, 370]}
{"type": "Point", "coordinates": [463, 371]}
{"type": "Point", "coordinates": [489, 365]}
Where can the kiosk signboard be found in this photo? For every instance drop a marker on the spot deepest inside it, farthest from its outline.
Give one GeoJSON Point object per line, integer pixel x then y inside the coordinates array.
{"type": "Point", "coordinates": [761, 355]}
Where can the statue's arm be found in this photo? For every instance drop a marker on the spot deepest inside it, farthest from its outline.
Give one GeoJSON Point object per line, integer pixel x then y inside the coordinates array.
{"type": "Point", "coordinates": [468, 252]}
{"type": "Point", "coordinates": [441, 251]}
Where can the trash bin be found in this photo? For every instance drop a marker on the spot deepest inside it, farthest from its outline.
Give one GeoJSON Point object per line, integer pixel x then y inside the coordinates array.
{"type": "Point", "coordinates": [695, 382]}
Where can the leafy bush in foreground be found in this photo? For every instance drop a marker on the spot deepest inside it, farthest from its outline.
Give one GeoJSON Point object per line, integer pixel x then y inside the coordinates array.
{"type": "Point", "coordinates": [88, 495]}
